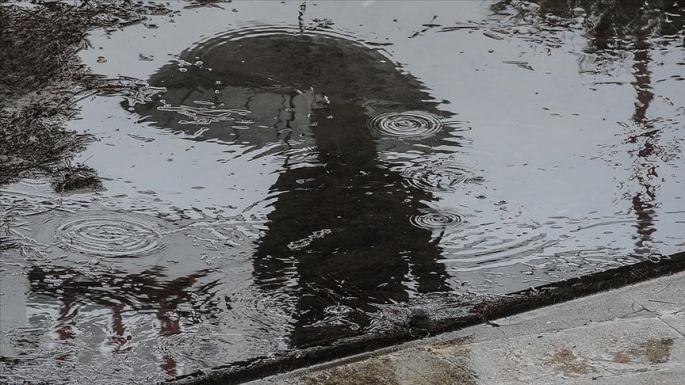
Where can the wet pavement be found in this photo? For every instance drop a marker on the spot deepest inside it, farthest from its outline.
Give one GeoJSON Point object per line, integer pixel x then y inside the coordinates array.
{"type": "Point", "coordinates": [278, 177]}
{"type": "Point", "coordinates": [632, 335]}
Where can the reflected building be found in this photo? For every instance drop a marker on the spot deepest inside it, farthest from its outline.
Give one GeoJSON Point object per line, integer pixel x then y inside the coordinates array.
{"type": "Point", "coordinates": [339, 238]}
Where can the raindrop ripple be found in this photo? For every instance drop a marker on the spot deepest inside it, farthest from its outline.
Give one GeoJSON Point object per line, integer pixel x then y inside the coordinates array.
{"type": "Point", "coordinates": [406, 125]}
{"type": "Point", "coordinates": [109, 236]}
{"type": "Point", "coordinates": [439, 176]}
{"type": "Point", "coordinates": [436, 220]}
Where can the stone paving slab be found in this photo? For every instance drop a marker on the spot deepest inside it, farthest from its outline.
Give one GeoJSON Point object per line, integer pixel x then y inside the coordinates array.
{"type": "Point", "coordinates": [653, 378]}
{"type": "Point", "coordinates": [586, 353]}
{"type": "Point", "coordinates": [633, 335]}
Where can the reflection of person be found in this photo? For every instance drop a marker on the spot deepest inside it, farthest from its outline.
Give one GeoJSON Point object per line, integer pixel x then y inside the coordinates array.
{"type": "Point", "coordinates": [340, 237]}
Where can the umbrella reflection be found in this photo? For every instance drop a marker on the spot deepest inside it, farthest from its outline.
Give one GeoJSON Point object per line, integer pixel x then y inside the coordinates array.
{"type": "Point", "coordinates": [340, 237]}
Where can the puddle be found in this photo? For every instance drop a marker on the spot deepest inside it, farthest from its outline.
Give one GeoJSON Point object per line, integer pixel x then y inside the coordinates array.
{"type": "Point", "coordinates": [280, 176]}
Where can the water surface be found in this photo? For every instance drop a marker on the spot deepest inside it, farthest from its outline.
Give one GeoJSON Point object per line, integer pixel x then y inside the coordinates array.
{"type": "Point", "coordinates": [278, 176]}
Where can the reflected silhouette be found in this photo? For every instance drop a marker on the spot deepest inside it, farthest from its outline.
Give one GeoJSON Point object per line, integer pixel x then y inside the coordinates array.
{"type": "Point", "coordinates": [121, 292]}
{"type": "Point", "coordinates": [346, 227]}
{"type": "Point", "coordinates": [260, 87]}
{"type": "Point", "coordinates": [340, 238]}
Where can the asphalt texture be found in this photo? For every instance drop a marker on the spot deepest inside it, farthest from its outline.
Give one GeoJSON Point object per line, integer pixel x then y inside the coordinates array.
{"type": "Point", "coordinates": [631, 335]}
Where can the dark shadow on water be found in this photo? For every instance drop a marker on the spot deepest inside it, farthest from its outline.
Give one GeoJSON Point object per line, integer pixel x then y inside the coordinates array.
{"type": "Point", "coordinates": [367, 247]}
{"type": "Point", "coordinates": [340, 238]}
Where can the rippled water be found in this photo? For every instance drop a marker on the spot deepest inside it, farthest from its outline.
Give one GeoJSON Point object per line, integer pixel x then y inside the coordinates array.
{"type": "Point", "coordinates": [438, 175]}
{"type": "Point", "coordinates": [436, 220]}
{"type": "Point", "coordinates": [108, 236]}
{"type": "Point", "coordinates": [279, 175]}
{"type": "Point", "coordinates": [408, 124]}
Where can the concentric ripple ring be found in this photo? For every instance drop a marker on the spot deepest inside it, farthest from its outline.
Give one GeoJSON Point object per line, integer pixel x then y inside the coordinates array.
{"type": "Point", "coordinates": [406, 125]}
{"type": "Point", "coordinates": [439, 176]}
{"type": "Point", "coordinates": [436, 220]}
{"type": "Point", "coordinates": [109, 236]}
